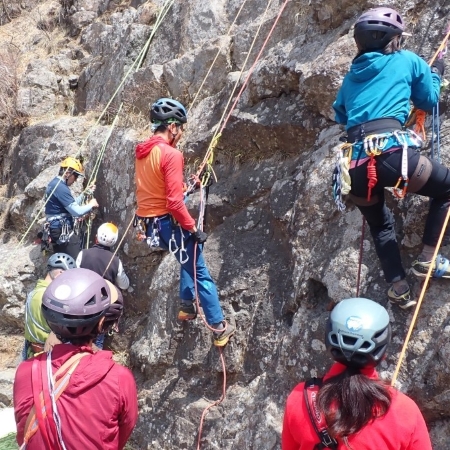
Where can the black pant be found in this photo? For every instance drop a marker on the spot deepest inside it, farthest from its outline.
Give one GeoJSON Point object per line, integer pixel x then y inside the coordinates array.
{"type": "Point", "coordinates": [380, 219]}
{"type": "Point", "coordinates": [71, 247]}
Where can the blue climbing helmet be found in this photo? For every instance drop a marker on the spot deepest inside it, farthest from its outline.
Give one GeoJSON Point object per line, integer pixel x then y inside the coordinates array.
{"type": "Point", "coordinates": [375, 28]}
{"type": "Point", "coordinates": [358, 332]}
{"type": "Point", "coordinates": [167, 110]}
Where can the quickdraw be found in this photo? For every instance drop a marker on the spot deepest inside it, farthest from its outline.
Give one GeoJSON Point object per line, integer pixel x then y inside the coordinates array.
{"type": "Point", "coordinates": [173, 246]}
{"type": "Point", "coordinates": [142, 224]}
{"type": "Point", "coordinates": [341, 182]}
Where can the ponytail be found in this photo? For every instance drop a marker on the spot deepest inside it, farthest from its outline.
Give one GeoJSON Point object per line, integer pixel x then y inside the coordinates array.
{"type": "Point", "coordinates": [350, 401]}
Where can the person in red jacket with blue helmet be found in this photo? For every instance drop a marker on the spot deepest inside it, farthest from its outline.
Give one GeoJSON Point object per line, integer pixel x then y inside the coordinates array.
{"type": "Point", "coordinates": [161, 208]}
{"type": "Point", "coordinates": [360, 411]}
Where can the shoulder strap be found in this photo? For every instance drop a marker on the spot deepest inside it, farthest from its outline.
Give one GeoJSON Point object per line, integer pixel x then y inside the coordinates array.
{"type": "Point", "coordinates": [317, 418]}
{"type": "Point", "coordinates": [37, 416]}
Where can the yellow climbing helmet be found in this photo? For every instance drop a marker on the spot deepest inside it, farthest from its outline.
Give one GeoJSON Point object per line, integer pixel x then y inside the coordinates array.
{"type": "Point", "coordinates": [74, 164]}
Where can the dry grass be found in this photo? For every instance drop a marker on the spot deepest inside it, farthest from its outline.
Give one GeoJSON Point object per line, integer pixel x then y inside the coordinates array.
{"type": "Point", "coordinates": [9, 86]}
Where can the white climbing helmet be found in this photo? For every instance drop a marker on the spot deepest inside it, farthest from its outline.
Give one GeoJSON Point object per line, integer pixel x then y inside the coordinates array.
{"type": "Point", "coordinates": [107, 234]}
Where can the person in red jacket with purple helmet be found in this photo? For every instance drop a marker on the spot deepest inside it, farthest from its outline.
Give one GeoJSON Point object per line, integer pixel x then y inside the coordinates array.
{"type": "Point", "coordinates": [72, 397]}
{"type": "Point", "coordinates": [359, 410]}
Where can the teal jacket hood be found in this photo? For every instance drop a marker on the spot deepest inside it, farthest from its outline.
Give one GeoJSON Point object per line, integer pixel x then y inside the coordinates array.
{"type": "Point", "coordinates": [381, 86]}
{"type": "Point", "coordinates": [367, 67]}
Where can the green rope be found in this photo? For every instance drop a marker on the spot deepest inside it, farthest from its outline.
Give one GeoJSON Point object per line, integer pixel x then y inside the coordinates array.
{"type": "Point", "coordinates": [136, 65]}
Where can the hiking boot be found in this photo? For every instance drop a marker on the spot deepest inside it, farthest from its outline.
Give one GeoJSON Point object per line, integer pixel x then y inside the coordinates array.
{"type": "Point", "coordinates": [187, 311]}
{"type": "Point", "coordinates": [441, 268]}
{"type": "Point", "coordinates": [221, 338]}
{"type": "Point", "coordinates": [404, 300]}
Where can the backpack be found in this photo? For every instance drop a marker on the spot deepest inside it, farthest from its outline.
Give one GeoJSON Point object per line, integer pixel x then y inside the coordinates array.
{"type": "Point", "coordinates": [317, 418]}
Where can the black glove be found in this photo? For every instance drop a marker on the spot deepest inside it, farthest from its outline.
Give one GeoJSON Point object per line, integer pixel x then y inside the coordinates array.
{"type": "Point", "coordinates": [438, 67]}
{"type": "Point", "coordinates": [200, 236]}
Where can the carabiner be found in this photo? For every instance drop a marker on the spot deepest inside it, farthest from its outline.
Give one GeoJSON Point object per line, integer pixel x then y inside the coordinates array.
{"type": "Point", "coordinates": [400, 193]}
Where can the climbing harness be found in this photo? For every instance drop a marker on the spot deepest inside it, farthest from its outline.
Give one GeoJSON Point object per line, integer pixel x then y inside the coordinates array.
{"type": "Point", "coordinates": [142, 225]}
{"type": "Point", "coordinates": [310, 391]}
{"type": "Point", "coordinates": [373, 145]}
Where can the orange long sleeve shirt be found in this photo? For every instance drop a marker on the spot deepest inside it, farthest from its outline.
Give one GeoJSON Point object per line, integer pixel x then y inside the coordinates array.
{"type": "Point", "coordinates": [159, 181]}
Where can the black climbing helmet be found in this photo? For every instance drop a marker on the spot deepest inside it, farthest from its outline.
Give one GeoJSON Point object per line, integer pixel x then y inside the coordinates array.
{"type": "Point", "coordinates": [60, 261]}
{"type": "Point", "coordinates": [167, 110]}
{"type": "Point", "coordinates": [358, 332]}
{"type": "Point", "coordinates": [376, 27]}
{"type": "Point", "coordinates": [74, 303]}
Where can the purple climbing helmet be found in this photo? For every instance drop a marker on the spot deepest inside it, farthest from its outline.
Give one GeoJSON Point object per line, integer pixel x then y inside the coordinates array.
{"type": "Point", "coordinates": [375, 28]}
{"type": "Point", "coordinates": [74, 303]}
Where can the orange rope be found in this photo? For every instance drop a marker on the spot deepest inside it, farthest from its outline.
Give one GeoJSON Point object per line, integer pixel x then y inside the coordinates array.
{"type": "Point", "coordinates": [199, 171]}
{"type": "Point", "coordinates": [419, 127]}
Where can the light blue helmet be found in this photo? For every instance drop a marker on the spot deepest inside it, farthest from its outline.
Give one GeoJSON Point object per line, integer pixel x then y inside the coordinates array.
{"type": "Point", "coordinates": [60, 261]}
{"type": "Point", "coordinates": [358, 332]}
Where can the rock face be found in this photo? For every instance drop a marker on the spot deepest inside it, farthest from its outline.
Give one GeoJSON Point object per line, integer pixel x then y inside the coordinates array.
{"type": "Point", "coordinates": [279, 250]}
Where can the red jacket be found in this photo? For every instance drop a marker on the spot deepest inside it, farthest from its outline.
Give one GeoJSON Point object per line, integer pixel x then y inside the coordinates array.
{"type": "Point", "coordinates": [98, 408]}
{"type": "Point", "coordinates": [401, 428]}
{"type": "Point", "coordinates": [159, 181]}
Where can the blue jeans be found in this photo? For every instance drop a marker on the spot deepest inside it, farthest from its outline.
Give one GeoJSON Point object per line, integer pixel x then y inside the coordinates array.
{"type": "Point", "coordinates": [99, 340]}
{"type": "Point", "coordinates": [207, 291]}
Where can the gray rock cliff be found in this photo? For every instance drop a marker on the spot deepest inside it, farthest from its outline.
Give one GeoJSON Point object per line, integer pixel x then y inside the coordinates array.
{"type": "Point", "coordinates": [278, 249]}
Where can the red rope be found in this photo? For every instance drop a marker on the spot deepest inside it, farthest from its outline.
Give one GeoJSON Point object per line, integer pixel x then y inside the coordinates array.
{"type": "Point", "coordinates": [361, 251]}
{"type": "Point", "coordinates": [244, 85]}
{"type": "Point", "coordinates": [222, 358]}
{"type": "Point", "coordinates": [371, 176]}
{"type": "Point", "coordinates": [202, 165]}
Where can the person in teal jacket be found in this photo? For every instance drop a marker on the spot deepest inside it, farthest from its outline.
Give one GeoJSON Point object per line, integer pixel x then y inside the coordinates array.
{"type": "Point", "coordinates": [373, 104]}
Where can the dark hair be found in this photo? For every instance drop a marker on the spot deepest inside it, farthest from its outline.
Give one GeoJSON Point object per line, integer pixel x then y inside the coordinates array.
{"type": "Point", "coordinates": [350, 400]}
{"type": "Point", "coordinates": [161, 128]}
{"type": "Point", "coordinates": [82, 340]}
{"type": "Point", "coordinates": [394, 45]}
{"type": "Point", "coordinates": [65, 170]}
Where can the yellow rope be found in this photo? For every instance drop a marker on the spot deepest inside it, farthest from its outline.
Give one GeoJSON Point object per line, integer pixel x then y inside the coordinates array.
{"type": "Point", "coordinates": [214, 140]}
{"type": "Point", "coordinates": [419, 302]}
{"type": "Point", "coordinates": [136, 65]}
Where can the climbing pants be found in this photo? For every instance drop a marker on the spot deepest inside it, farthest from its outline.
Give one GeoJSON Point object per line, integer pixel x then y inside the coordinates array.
{"type": "Point", "coordinates": [207, 291]}
{"type": "Point", "coordinates": [379, 217]}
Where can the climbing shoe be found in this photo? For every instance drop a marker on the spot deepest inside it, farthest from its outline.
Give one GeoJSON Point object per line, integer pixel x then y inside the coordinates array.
{"type": "Point", "coordinates": [221, 338]}
{"type": "Point", "coordinates": [441, 268]}
{"type": "Point", "coordinates": [187, 311]}
{"type": "Point", "coordinates": [404, 300]}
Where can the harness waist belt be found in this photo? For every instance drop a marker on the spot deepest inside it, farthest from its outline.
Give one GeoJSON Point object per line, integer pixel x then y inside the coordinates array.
{"type": "Point", "coordinates": [359, 132]}
{"type": "Point", "coordinates": [59, 216]}
{"type": "Point", "coordinates": [147, 220]}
